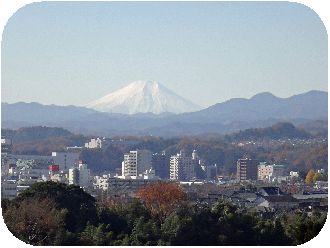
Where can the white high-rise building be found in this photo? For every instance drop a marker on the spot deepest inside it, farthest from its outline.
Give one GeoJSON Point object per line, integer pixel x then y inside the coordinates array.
{"type": "Point", "coordinates": [80, 176]}
{"type": "Point", "coordinates": [136, 163]}
{"type": "Point", "coordinates": [182, 167]}
{"type": "Point", "coordinates": [84, 174]}
{"type": "Point", "coordinates": [74, 176]}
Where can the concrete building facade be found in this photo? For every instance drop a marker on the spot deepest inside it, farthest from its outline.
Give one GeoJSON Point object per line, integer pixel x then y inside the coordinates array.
{"type": "Point", "coordinates": [182, 167]}
{"type": "Point", "coordinates": [80, 175]}
{"type": "Point", "coordinates": [247, 169]}
{"type": "Point", "coordinates": [136, 163]}
{"type": "Point", "coordinates": [269, 172]}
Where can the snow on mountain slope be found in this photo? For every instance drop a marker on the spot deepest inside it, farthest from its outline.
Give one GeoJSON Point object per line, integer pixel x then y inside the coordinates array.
{"type": "Point", "coordinates": [143, 97]}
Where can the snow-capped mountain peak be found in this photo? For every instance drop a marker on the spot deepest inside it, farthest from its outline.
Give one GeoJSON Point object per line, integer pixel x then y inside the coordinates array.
{"type": "Point", "coordinates": [143, 97]}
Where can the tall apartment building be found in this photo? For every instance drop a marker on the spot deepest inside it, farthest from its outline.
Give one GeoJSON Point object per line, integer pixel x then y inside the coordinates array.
{"type": "Point", "coordinates": [247, 169]}
{"type": "Point", "coordinates": [74, 176]}
{"type": "Point", "coordinates": [182, 167]}
{"type": "Point", "coordinates": [80, 175]}
{"type": "Point", "coordinates": [136, 163]}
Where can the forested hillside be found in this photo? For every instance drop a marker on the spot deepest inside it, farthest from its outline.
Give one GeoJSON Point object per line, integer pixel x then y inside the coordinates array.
{"type": "Point", "coordinates": [213, 149]}
{"type": "Point", "coordinates": [277, 131]}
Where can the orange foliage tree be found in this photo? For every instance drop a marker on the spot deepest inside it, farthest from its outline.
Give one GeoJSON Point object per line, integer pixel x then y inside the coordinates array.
{"type": "Point", "coordinates": [35, 221]}
{"type": "Point", "coordinates": [161, 198]}
{"type": "Point", "coordinates": [309, 177]}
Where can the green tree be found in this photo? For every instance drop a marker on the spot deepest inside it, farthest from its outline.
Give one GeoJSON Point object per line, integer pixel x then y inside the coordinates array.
{"type": "Point", "coordinates": [302, 228]}
{"type": "Point", "coordinates": [145, 232]}
{"type": "Point", "coordinates": [96, 235]}
{"type": "Point", "coordinates": [190, 225]}
{"type": "Point", "coordinates": [320, 177]}
{"type": "Point", "coordinates": [271, 232]}
{"type": "Point", "coordinates": [80, 206]}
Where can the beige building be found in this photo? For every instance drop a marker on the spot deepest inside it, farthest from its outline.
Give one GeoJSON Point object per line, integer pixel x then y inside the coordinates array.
{"type": "Point", "coordinates": [269, 172]}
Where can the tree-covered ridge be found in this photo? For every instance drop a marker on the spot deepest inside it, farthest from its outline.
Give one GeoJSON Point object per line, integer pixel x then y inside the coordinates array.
{"type": "Point", "coordinates": [277, 131]}
{"type": "Point", "coordinates": [57, 214]}
{"type": "Point", "coordinates": [26, 134]}
{"type": "Point", "coordinates": [42, 140]}
{"type": "Point", "coordinates": [213, 149]}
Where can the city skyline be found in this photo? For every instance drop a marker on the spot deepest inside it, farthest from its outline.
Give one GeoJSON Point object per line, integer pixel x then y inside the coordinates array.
{"type": "Point", "coordinates": [73, 53]}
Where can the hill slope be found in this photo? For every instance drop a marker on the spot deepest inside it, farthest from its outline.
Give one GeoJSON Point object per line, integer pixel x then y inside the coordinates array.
{"type": "Point", "coordinates": [263, 106]}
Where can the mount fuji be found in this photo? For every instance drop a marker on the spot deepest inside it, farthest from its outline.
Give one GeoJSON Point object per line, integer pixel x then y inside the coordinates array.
{"type": "Point", "coordinates": [143, 97]}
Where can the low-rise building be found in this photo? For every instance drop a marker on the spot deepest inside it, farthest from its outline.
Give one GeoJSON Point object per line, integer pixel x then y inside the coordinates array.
{"type": "Point", "coordinates": [94, 143]}
{"type": "Point", "coordinates": [6, 145]}
{"type": "Point", "coordinates": [294, 174]}
{"type": "Point", "coordinates": [270, 172]}
{"type": "Point", "coordinates": [8, 189]}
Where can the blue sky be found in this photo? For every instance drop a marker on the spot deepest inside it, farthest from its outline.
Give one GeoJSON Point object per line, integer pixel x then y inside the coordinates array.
{"type": "Point", "coordinates": [72, 53]}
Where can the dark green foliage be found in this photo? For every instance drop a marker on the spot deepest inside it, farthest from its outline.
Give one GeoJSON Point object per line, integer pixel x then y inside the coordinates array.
{"type": "Point", "coordinates": [190, 226]}
{"type": "Point", "coordinates": [96, 235]}
{"type": "Point", "coordinates": [56, 214]}
{"type": "Point", "coordinates": [303, 228]}
{"type": "Point", "coordinates": [145, 232]}
{"type": "Point", "coordinates": [112, 217]}
{"type": "Point", "coordinates": [271, 232]}
{"type": "Point", "coordinates": [80, 205]}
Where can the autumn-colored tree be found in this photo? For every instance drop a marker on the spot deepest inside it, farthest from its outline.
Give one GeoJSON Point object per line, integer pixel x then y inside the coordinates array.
{"type": "Point", "coordinates": [161, 198]}
{"type": "Point", "coordinates": [309, 177]}
{"type": "Point", "coordinates": [35, 221]}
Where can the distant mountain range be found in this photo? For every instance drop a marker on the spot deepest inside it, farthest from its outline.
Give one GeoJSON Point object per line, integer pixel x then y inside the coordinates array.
{"type": "Point", "coordinates": [143, 97]}
{"type": "Point", "coordinates": [263, 106]}
{"type": "Point", "coordinates": [261, 110]}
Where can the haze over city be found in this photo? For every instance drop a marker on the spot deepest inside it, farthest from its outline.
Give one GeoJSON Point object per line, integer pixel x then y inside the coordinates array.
{"type": "Point", "coordinates": [70, 53]}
